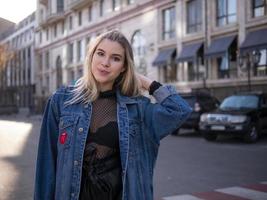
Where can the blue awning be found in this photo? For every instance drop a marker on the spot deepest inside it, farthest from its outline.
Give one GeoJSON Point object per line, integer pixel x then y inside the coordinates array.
{"type": "Point", "coordinates": [163, 56]}
{"type": "Point", "coordinates": [189, 52]}
{"type": "Point", "coordinates": [255, 40]}
{"type": "Point", "coordinates": [220, 46]}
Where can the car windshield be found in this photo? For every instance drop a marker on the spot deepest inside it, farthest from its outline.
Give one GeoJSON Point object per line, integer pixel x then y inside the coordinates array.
{"type": "Point", "coordinates": [238, 102]}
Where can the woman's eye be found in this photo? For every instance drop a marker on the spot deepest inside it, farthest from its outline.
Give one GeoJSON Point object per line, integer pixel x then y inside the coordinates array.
{"type": "Point", "coordinates": [99, 53]}
{"type": "Point", "coordinates": [117, 59]}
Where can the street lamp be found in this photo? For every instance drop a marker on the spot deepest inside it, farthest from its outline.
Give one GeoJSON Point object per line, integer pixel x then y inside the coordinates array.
{"type": "Point", "coordinates": [249, 59]}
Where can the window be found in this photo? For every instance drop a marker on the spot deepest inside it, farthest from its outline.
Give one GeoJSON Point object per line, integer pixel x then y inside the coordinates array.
{"type": "Point", "coordinates": [259, 7]}
{"type": "Point", "coordinates": [226, 12]}
{"type": "Point", "coordinates": [47, 34]}
{"type": "Point", "coordinates": [62, 27]}
{"type": "Point", "coordinates": [194, 16]}
{"type": "Point", "coordinates": [80, 18]}
{"type": "Point", "coordinates": [130, 2]}
{"type": "Point", "coordinates": [90, 13]}
{"type": "Point", "coordinates": [170, 73]}
{"type": "Point", "coordinates": [71, 77]}
{"type": "Point", "coordinates": [88, 39]}
{"type": "Point", "coordinates": [55, 30]}
{"type": "Point", "coordinates": [70, 53]}
{"type": "Point", "coordinates": [60, 5]}
{"type": "Point", "coordinates": [115, 5]}
{"type": "Point", "coordinates": [40, 62]}
{"type": "Point", "coordinates": [70, 22]}
{"type": "Point", "coordinates": [47, 59]}
{"type": "Point", "coordinates": [101, 7]}
{"type": "Point", "coordinates": [40, 37]}
{"type": "Point", "coordinates": [80, 72]}
{"type": "Point", "coordinates": [79, 50]}
{"type": "Point", "coordinates": [139, 50]}
{"type": "Point", "coordinates": [223, 67]}
{"type": "Point", "coordinates": [261, 69]}
{"type": "Point", "coordinates": [168, 23]}
{"type": "Point", "coordinates": [47, 83]}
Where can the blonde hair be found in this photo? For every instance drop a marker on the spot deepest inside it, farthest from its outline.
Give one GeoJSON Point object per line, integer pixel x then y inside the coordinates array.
{"type": "Point", "coordinates": [86, 88]}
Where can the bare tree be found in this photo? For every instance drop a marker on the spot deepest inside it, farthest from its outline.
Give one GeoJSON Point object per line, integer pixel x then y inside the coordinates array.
{"type": "Point", "coordinates": [5, 55]}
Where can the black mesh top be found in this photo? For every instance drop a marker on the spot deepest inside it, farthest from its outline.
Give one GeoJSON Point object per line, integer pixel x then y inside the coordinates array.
{"type": "Point", "coordinates": [101, 176]}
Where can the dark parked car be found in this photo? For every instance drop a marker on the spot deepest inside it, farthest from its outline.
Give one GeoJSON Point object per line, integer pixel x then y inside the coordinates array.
{"type": "Point", "coordinates": [200, 102]}
{"type": "Point", "coordinates": [243, 115]}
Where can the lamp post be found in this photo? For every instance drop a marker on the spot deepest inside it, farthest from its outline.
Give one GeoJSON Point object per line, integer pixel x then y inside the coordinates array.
{"type": "Point", "coordinates": [249, 59]}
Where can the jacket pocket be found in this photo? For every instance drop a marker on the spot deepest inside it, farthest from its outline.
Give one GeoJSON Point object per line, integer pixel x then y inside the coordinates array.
{"type": "Point", "coordinates": [67, 125]}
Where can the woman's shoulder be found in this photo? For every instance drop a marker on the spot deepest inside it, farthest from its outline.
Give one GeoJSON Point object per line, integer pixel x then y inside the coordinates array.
{"type": "Point", "coordinates": [62, 93]}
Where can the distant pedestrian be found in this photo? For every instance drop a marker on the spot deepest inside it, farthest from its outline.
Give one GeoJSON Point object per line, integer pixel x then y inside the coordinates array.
{"type": "Point", "coordinates": [99, 138]}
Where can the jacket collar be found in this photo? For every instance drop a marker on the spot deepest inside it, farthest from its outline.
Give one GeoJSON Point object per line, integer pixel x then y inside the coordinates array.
{"type": "Point", "coordinates": [122, 99]}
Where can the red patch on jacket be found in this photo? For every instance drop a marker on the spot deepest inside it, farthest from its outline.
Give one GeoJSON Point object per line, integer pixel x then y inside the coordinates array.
{"type": "Point", "coordinates": [63, 138]}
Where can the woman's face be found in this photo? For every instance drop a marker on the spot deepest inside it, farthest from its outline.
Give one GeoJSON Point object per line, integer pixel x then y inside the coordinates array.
{"type": "Point", "coordinates": [107, 63]}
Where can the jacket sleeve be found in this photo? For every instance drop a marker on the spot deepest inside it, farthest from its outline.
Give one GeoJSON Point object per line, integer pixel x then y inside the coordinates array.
{"type": "Point", "coordinates": [47, 154]}
{"type": "Point", "coordinates": [170, 111]}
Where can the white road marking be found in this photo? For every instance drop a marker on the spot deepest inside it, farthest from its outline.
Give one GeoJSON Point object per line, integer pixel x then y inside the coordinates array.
{"type": "Point", "coordinates": [244, 192]}
{"type": "Point", "coordinates": [182, 197]}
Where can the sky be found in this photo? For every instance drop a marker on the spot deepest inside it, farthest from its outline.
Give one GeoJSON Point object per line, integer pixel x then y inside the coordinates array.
{"type": "Point", "coordinates": [16, 10]}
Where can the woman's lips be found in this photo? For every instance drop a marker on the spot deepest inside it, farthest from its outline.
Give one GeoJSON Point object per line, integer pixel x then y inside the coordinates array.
{"type": "Point", "coordinates": [103, 72]}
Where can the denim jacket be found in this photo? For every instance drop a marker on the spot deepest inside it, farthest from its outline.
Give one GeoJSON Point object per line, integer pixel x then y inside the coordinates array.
{"type": "Point", "coordinates": [141, 124]}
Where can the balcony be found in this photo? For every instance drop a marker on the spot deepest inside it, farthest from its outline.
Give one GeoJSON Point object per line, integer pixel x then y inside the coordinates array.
{"type": "Point", "coordinates": [78, 4]}
{"type": "Point", "coordinates": [55, 17]}
{"type": "Point", "coordinates": [44, 2]}
{"type": "Point", "coordinates": [52, 18]}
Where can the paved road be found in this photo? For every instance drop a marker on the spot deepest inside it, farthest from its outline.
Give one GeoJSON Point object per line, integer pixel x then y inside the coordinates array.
{"type": "Point", "coordinates": [187, 166]}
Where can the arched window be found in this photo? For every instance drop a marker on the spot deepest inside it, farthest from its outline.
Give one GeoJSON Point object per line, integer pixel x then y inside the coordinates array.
{"type": "Point", "coordinates": [139, 49]}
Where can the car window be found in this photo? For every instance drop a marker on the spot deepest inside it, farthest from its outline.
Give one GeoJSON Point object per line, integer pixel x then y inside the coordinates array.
{"type": "Point", "coordinates": [238, 102]}
{"type": "Point", "coordinates": [190, 100]}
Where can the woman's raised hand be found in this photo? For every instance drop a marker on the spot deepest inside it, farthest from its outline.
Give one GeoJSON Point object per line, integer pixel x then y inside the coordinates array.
{"type": "Point", "coordinates": [144, 81]}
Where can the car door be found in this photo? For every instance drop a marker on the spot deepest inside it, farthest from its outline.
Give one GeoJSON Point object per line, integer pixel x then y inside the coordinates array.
{"type": "Point", "coordinates": [263, 112]}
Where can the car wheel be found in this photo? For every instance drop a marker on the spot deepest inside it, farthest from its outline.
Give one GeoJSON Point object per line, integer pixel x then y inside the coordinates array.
{"type": "Point", "coordinates": [176, 132]}
{"type": "Point", "coordinates": [252, 135]}
{"type": "Point", "coordinates": [210, 136]}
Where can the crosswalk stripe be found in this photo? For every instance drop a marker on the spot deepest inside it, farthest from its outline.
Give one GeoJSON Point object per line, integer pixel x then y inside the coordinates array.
{"type": "Point", "coordinates": [243, 192]}
{"type": "Point", "coordinates": [182, 197]}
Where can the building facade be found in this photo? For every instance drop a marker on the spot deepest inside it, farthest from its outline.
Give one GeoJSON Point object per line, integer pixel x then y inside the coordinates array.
{"type": "Point", "coordinates": [17, 77]}
{"type": "Point", "coordinates": [192, 44]}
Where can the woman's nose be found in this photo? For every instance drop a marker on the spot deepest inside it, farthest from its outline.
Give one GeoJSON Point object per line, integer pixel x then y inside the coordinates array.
{"type": "Point", "coordinates": [106, 62]}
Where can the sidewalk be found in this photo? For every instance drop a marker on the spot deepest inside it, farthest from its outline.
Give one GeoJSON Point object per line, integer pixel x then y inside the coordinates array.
{"type": "Point", "coordinates": [19, 135]}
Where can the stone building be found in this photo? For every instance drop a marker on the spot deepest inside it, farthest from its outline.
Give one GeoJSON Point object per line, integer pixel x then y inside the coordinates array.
{"type": "Point", "coordinates": [193, 44]}
{"type": "Point", "coordinates": [17, 77]}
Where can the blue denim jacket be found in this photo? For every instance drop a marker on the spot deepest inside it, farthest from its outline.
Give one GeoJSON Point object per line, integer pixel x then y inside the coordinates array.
{"type": "Point", "coordinates": [141, 126]}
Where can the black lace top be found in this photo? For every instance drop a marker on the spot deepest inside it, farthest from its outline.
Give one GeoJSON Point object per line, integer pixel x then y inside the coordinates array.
{"type": "Point", "coordinates": [101, 176]}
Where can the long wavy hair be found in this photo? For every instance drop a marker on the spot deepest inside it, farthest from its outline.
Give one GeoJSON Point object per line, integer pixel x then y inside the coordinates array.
{"type": "Point", "coordinates": [86, 88]}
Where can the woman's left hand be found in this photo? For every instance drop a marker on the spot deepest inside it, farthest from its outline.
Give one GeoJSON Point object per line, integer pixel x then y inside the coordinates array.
{"type": "Point", "coordinates": [145, 82]}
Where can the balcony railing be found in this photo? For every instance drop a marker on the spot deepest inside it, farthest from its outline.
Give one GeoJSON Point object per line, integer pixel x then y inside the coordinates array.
{"type": "Point", "coordinates": [77, 4]}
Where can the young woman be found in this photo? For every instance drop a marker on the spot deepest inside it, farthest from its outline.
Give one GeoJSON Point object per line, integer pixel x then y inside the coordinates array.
{"type": "Point", "coordinates": [99, 139]}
